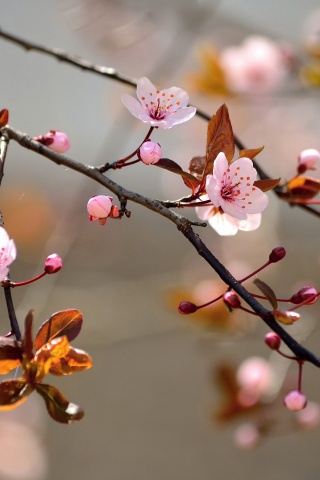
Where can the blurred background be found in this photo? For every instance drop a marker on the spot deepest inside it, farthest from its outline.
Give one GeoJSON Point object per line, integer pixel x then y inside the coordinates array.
{"type": "Point", "coordinates": [151, 399]}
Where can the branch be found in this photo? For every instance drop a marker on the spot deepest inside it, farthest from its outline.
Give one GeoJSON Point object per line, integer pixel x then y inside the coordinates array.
{"type": "Point", "coordinates": [183, 224]}
{"type": "Point", "coordinates": [112, 74]}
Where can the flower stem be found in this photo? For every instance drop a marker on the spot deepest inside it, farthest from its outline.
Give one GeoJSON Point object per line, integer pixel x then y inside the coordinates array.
{"type": "Point", "coordinates": [26, 282]}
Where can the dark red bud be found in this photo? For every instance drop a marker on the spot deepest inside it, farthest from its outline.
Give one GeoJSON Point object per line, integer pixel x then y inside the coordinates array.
{"type": "Point", "coordinates": [187, 307]}
{"type": "Point", "coordinates": [304, 294]}
{"type": "Point", "coordinates": [277, 254]}
{"type": "Point", "coordinates": [231, 300]}
{"type": "Point", "coordinates": [273, 340]}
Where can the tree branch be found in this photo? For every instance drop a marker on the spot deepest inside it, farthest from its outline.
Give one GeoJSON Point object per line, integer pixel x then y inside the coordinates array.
{"type": "Point", "coordinates": [183, 224]}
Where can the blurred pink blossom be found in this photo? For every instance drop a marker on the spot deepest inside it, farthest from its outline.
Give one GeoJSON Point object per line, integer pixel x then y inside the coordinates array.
{"type": "Point", "coordinates": [256, 66]}
{"type": "Point", "coordinates": [309, 417]}
{"type": "Point", "coordinates": [159, 108]}
{"type": "Point", "coordinates": [8, 253]}
{"type": "Point", "coordinates": [307, 160]}
{"type": "Point", "coordinates": [56, 140]}
{"type": "Point", "coordinates": [246, 436]}
{"type": "Point", "coordinates": [150, 152]}
{"type": "Point", "coordinates": [256, 379]}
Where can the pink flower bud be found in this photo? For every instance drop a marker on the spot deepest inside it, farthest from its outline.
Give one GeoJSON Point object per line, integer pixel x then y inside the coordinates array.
{"type": "Point", "coordinates": [53, 263]}
{"type": "Point", "coordinates": [295, 401]}
{"type": "Point", "coordinates": [304, 294]}
{"type": "Point", "coordinates": [277, 254]}
{"type": "Point", "coordinates": [100, 208]}
{"type": "Point", "coordinates": [56, 140]}
{"type": "Point", "coordinates": [307, 160]}
{"type": "Point", "coordinates": [231, 300]}
{"type": "Point", "coordinates": [273, 340]}
{"type": "Point", "coordinates": [150, 152]}
{"type": "Point", "coordinates": [185, 308]}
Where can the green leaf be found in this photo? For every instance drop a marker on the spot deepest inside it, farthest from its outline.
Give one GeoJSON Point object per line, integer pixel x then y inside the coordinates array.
{"type": "Point", "coordinates": [58, 407]}
{"type": "Point", "coordinates": [189, 180]}
{"type": "Point", "coordinates": [219, 139]}
{"type": "Point", "coordinates": [65, 323]}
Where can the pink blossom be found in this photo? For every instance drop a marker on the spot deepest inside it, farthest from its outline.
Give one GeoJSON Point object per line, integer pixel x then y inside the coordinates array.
{"type": "Point", "coordinates": [310, 416]}
{"type": "Point", "coordinates": [150, 152]}
{"type": "Point", "coordinates": [255, 377]}
{"type": "Point", "coordinates": [224, 224]}
{"type": "Point", "coordinates": [307, 160]}
{"type": "Point", "coordinates": [295, 401]}
{"type": "Point", "coordinates": [247, 436]}
{"type": "Point", "coordinates": [231, 188]}
{"type": "Point", "coordinates": [56, 140]}
{"type": "Point", "coordinates": [159, 108]}
{"type": "Point", "coordinates": [100, 208]}
{"type": "Point", "coordinates": [8, 253]}
{"type": "Point", "coordinates": [258, 65]}
{"type": "Point", "coordinates": [53, 263]}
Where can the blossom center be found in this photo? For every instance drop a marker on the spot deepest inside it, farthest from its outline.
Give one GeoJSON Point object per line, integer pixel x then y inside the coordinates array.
{"type": "Point", "coordinates": [229, 192]}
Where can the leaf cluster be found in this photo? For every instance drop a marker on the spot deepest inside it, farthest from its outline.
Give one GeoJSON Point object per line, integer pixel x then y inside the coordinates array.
{"type": "Point", "coordinates": [49, 352]}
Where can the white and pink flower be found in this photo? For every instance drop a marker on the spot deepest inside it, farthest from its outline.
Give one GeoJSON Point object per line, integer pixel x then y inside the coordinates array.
{"type": "Point", "coordinates": [224, 224]}
{"type": "Point", "coordinates": [8, 253]}
{"type": "Point", "coordinates": [231, 187]}
{"type": "Point", "coordinates": [159, 108]}
{"type": "Point", "coordinates": [236, 203]}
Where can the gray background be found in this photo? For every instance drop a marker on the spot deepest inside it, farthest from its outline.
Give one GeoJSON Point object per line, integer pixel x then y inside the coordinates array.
{"type": "Point", "coordinates": [149, 397]}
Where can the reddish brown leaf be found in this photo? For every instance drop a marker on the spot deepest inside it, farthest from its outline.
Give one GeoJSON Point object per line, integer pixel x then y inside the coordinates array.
{"type": "Point", "coordinates": [65, 323]}
{"type": "Point", "coordinates": [250, 152]}
{"type": "Point", "coordinates": [4, 117]}
{"type": "Point", "coordinates": [75, 361]}
{"type": "Point", "coordinates": [10, 355]}
{"type": "Point", "coordinates": [188, 179]}
{"type": "Point", "coordinates": [13, 393]}
{"type": "Point", "coordinates": [27, 343]}
{"type": "Point", "coordinates": [303, 188]}
{"type": "Point", "coordinates": [58, 407]}
{"type": "Point", "coordinates": [219, 138]}
{"type": "Point", "coordinates": [196, 167]}
{"type": "Point", "coordinates": [267, 292]}
{"type": "Point", "coordinates": [266, 185]}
